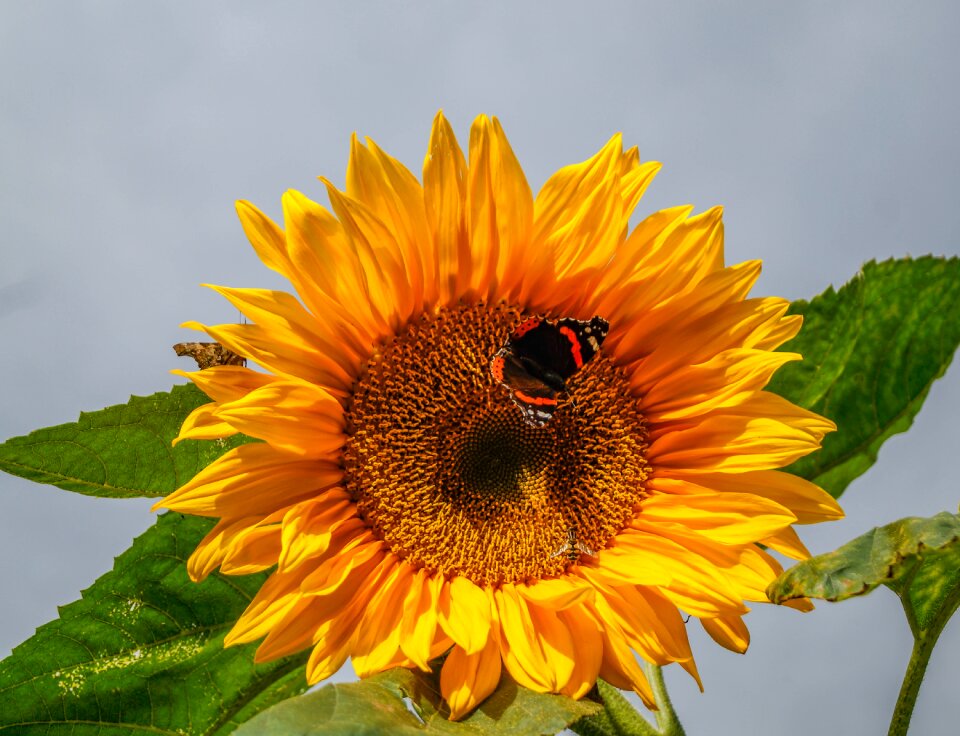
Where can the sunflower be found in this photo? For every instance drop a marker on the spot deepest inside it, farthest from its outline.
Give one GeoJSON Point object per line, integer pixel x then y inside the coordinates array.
{"type": "Point", "coordinates": [410, 509]}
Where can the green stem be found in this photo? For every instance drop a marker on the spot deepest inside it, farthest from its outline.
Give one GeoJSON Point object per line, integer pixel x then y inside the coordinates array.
{"type": "Point", "coordinates": [923, 644]}
{"type": "Point", "coordinates": [622, 716]}
{"type": "Point", "coordinates": [666, 717]}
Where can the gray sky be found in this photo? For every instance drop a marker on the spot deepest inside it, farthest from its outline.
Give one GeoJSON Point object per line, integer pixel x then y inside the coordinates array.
{"type": "Point", "coordinates": [127, 130]}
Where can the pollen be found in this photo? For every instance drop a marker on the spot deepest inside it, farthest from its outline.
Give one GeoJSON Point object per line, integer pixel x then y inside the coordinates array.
{"type": "Point", "coordinates": [443, 467]}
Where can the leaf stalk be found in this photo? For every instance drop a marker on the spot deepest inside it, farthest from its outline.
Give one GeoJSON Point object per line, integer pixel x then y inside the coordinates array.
{"type": "Point", "coordinates": [923, 645]}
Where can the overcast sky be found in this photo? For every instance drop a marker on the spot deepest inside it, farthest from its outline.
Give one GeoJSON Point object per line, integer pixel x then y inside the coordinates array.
{"type": "Point", "coordinates": [127, 130]}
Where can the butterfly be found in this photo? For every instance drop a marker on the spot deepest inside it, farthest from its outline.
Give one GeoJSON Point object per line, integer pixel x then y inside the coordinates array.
{"type": "Point", "coordinates": [538, 358]}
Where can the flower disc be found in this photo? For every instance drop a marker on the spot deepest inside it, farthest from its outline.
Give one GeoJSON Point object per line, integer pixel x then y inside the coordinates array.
{"type": "Point", "coordinates": [446, 471]}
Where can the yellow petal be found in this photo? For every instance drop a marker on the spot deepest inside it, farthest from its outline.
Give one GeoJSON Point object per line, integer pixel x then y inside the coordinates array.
{"type": "Point", "coordinates": [329, 621]}
{"type": "Point", "coordinates": [621, 565]}
{"type": "Point", "coordinates": [213, 547]}
{"type": "Point", "coordinates": [464, 613]}
{"type": "Point", "coordinates": [746, 570]}
{"type": "Point", "coordinates": [651, 625]}
{"type": "Point", "coordinates": [682, 257]}
{"type": "Point", "coordinates": [728, 631]}
{"type": "Point", "coordinates": [481, 207]}
{"type": "Point", "coordinates": [730, 325]}
{"type": "Point", "coordinates": [252, 552]}
{"type": "Point", "coordinates": [615, 289]}
{"type": "Point", "coordinates": [293, 633]}
{"type": "Point", "coordinates": [339, 623]}
{"type": "Point", "coordinates": [656, 330]}
{"type": "Point", "coordinates": [556, 643]}
{"type": "Point", "coordinates": [787, 543]}
{"type": "Point", "coordinates": [756, 571]}
{"type": "Point", "coordinates": [233, 485]}
{"type": "Point", "coordinates": [803, 498]}
{"type": "Point", "coordinates": [284, 317]}
{"type": "Point", "coordinates": [635, 181]}
{"type": "Point", "coordinates": [419, 624]}
{"type": "Point", "coordinates": [761, 433]}
{"type": "Point", "coordinates": [619, 667]}
{"type": "Point", "coordinates": [445, 193]}
{"type": "Point", "coordinates": [295, 359]}
{"type": "Point", "coordinates": [572, 200]}
{"type": "Point", "coordinates": [513, 202]}
{"type": "Point", "coordinates": [380, 258]}
{"type": "Point", "coordinates": [391, 193]}
{"type": "Point", "coordinates": [310, 526]}
{"type": "Point", "coordinates": [202, 424]}
{"type": "Point", "coordinates": [330, 653]}
{"type": "Point", "coordinates": [522, 656]}
{"type": "Point", "coordinates": [226, 382]}
{"type": "Point", "coordinates": [353, 562]}
{"type": "Point", "coordinates": [275, 598]}
{"type": "Point", "coordinates": [378, 635]}
{"type": "Point", "coordinates": [773, 335]}
{"type": "Point", "coordinates": [286, 256]}
{"type": "Point", "coordinates": [727, 379]}
{"type": "Point", "coordinates": [266, 238]}
{"type": "Point", "coordinates": [290, 415]}
{"type": "Point", "coordinates": [319, 246]}
{"type": "Point", "coordinates": [588, 652]}
{"type": "Point", "coordinates": [728, 518]}
{"type": "Point", "coordinates": [695, 579]}
{"type": "Point", "coordinates": [557, 593]}
{"type": "Point", "coordinates": [467, 679]}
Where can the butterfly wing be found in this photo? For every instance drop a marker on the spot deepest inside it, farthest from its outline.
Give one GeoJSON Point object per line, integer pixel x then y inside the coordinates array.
{"type": "Point", "coordinates": [583, 339]}
{"type": "Point", "coordinates": [536, 399]}
{"type": "Point", "coordinates": [560, 348]}
{"type": "Point", "coordinates": [546, 352]}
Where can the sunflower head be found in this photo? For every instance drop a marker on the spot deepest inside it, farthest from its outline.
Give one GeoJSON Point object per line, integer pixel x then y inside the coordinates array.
{"type": "Point", "coordinates": [504, 428]}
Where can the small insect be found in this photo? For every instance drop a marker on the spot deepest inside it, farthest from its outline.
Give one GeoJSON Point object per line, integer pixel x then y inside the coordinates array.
{"type": "Point", "coordinates": [573, 548]}
{"type": "Point", "coordinates": [208, 354]}
{"type": "Point", "coordinates": [538, 358]}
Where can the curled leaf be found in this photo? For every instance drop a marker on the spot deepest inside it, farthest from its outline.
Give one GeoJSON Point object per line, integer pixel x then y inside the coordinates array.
{"type": "Point", "coordinates": [902, 555]}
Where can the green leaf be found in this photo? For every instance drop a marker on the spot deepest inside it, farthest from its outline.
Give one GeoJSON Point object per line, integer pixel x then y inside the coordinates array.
{"type": "Point", "coordinates": [919, 558]}
{"type": "Point", "coordinates": [142, 652]}
{"type": "Point", "coordinates": [122, 451]}
{"type": "Point", "coordinates": [379, 705]}
{"type": "Point", "coordinates": [871, 352]}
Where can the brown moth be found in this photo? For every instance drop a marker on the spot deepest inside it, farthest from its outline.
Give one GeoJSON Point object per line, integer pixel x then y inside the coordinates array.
{"type": "Point", "coordinates": [208, 354]}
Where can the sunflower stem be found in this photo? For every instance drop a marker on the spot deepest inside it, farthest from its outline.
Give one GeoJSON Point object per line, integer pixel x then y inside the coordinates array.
{"type": "Point", "coordinates": [667, 718]}
{"type": "Point", "coordinates": [618, 714]}
{"type": "Point", "coordinates": [924, 642]}
{"type": "Point", "coordinates": [599, 724]}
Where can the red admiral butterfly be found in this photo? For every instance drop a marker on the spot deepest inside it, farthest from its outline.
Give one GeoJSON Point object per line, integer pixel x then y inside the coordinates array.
{"type": "Point", "coordinates": [540, 356]}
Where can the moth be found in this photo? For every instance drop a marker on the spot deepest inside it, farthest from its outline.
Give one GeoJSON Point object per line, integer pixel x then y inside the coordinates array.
{"type": "Point", "coordinates": [208, 354]}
